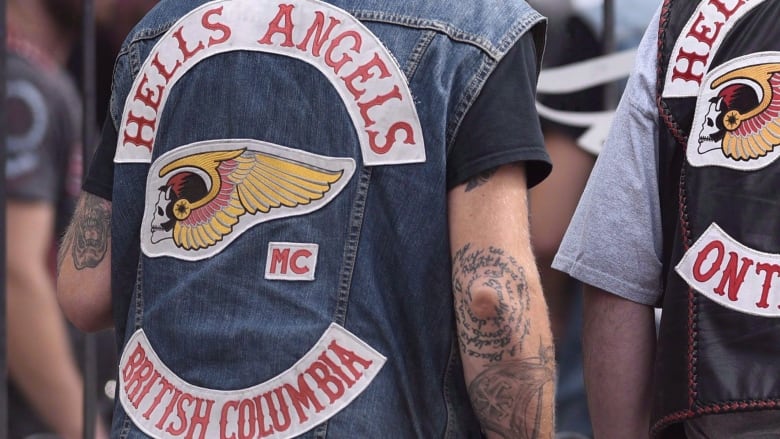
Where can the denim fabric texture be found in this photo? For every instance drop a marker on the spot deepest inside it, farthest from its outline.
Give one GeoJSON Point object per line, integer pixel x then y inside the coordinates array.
{"type": "Point", "coordinates": [383, 265]}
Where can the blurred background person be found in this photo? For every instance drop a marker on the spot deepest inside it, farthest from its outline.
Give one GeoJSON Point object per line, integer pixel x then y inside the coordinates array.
{"type": "Point", "coordinates": [575, 34]}
{"type": "Point", "coordinates": [43, 169]}
{"type": "Point", "coordinates": [113, 21]}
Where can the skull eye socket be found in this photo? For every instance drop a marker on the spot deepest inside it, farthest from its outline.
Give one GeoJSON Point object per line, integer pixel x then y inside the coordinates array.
{"type": "Point", "coordinates": [710, 122]}
{"type": "Point", "coordinates": [160, 211]}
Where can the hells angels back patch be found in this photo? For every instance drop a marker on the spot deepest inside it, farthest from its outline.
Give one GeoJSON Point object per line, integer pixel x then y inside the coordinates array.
{"type": "Point", "coordinates": [327, 379]}
{"type": "Point", "coordinates": [737, 119]}
{"type": "Point", "coordinates": [200, 197]}
{"type": "Point", "coordinates": [732, 274]}
{"type": "Point", "coordinates": [369, 81]}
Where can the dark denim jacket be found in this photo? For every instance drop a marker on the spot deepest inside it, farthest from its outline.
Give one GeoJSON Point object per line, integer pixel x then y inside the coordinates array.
{"type": "Point", "coordinates": [283, 165]}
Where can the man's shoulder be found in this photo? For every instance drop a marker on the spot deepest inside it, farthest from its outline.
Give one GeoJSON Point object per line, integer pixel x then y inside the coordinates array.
{"type": "Point", "coordinates": [493, 24]}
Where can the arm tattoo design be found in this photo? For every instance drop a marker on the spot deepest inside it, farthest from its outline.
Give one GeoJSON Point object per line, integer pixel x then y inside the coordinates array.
{"type": "Point", "coordinates": [90, 232]}
{"type": "Point", "coordinates": [480, 179]}
{"type": "Point", "coordinates": [508, 396]}
{"type": "Point", "coordinates": [498, 333]}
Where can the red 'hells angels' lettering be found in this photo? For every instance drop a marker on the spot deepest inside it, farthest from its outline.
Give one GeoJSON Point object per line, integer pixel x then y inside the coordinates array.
{"type": "Point", "coordinates": [372, 86]}
{"type": "Point", "coordinates": [732, 274]}
{"type": "Point", "coordinates": [331, 375]}
{"type": "Point", "coordinates": [698, 43]}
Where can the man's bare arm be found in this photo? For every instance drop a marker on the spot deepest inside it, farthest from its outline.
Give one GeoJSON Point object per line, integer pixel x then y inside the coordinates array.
{"type": "Point", "coordinates": [503, 326]}
{"type": "Point", "coordinates": [618, 350]}
{"type": "Point", "coordinates": [84, 265]}
{"type": "Point", "coordinates": [40, 360]}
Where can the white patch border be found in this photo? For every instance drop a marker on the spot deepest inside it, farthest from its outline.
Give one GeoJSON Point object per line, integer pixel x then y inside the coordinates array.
{"type": "Point", "coordinates": [681, 88]}
{"type": "Point", "coordinates": [334, 332]}
{"type": "Point", "coordinates": [716, 157]}
{"type": "Point", "coordinates": [310, 276]}
{"type": "Point", "coordinates": [752, 284]}
{"type": "Point", "coordinates": [241, 14]}
{"type": "Point", "coordinates": [247, 221]}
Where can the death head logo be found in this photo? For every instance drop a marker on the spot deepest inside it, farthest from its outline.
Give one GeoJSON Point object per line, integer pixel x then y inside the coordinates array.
{"type": "Point", "coordinates": [725, 115]}
{"type": "Point", "coordinates": [737, 122]}
{"type": "Point", "coordinates": [174, 201]}
{"type": "Point", "coordinates": [201, 197]}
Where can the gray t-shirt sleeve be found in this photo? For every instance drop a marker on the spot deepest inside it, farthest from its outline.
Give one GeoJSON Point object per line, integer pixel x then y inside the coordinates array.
{"type": "Point", "coordinates": [614, 239]}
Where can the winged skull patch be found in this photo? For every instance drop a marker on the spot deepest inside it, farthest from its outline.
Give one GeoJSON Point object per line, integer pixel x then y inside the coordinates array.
{"type": "Point", "coordinates": [737, 120]}
{"type": "Point", "coordinates": [202, 196]}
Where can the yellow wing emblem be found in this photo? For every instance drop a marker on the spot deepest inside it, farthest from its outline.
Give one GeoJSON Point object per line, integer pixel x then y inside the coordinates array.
{"type": "Point", "coordinates": [750, 122]}
{"type": "Point", "coordinates": [237, 182]}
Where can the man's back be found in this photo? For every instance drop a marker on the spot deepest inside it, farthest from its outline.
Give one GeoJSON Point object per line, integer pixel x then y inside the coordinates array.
{"type": "Point", "coordinates": [294, 258]}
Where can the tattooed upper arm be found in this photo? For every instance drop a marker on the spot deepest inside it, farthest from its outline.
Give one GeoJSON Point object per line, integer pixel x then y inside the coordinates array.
{"type": "Point", "coordinates": [480, 179]}
{"type": "Point", "coordinates": [89, 235]}
{"type": "Point", "coordinates": [485, 176]}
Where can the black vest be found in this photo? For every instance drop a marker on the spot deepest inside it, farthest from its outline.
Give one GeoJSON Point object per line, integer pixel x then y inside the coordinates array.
{"type": "Point", "coordinates": [719, 341]}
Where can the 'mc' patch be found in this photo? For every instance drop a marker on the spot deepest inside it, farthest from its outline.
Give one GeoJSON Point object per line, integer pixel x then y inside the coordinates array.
{"type": "Point", "coordinates": [201, 197]}
{"type": "Point", "coordinates": [737, 119]}
{"type": "Point", "coordinates": [732, 274]}
{"type": "Point", "coordinates": [327, 379]}
{"type": "Point", "coordinates": [291, 261]}
{"type": "Point", "coordinates": [369, 81]}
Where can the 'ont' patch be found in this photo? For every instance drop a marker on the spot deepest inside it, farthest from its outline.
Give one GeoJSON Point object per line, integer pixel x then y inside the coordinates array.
{"type": "Point", "coordinates": [732, 274]}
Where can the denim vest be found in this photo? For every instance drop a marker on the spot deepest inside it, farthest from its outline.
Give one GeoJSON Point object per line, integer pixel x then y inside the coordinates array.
{"type": "Point", "coordinates": [720, 331]}
{"type": "Point", "coordinates": [283, 165]}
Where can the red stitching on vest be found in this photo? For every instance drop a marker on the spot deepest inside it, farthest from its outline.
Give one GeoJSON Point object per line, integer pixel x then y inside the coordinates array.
{"type": "Point", "coordinates": [666, 115]}
{"type": "Point", "coordinates": [692, 327]}
{"type": "Point", "coordinates": [682, 138]}
{"type": "Point", "coordinates": [671, 419]}
{"type": "Point", "coordinates": [714, 409]}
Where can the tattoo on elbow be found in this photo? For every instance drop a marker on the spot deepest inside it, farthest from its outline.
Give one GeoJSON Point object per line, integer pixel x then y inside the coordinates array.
{"type": "Point", "coordinates": [90, 232]}
{"type": "Point", "coordinates": [491, 303]}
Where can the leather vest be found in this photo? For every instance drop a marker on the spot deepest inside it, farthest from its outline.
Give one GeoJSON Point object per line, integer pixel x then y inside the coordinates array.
{"type": "Point", "coordinates": [272, 161]}
{"type": "Point", "coordinates": [719, 105]}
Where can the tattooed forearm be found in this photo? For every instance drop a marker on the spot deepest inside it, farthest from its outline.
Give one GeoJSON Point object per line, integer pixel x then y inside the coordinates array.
{"type": "Point", "coordinates": [89, 234]}
{"type": "Point", "coordinates": [509, 396]}
{"type": "Point", "coordinates": [480, 179]}
{"type": "Point", "coordinates": [494, 329]}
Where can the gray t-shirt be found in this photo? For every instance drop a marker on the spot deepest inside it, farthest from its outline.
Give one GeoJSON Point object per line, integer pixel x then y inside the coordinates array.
{"type": "Point", "coordinates": [614, 239]}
